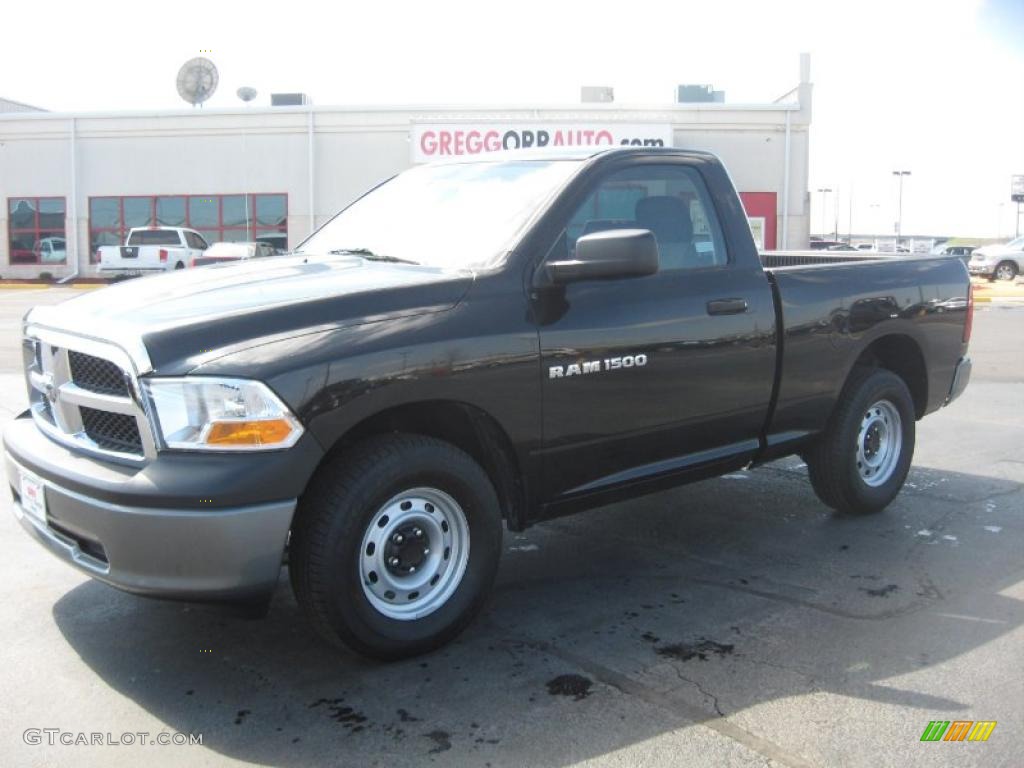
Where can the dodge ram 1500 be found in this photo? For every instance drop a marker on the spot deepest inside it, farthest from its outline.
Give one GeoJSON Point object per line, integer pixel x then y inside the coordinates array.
{"type": "Point", "coordinates": [469, 346]}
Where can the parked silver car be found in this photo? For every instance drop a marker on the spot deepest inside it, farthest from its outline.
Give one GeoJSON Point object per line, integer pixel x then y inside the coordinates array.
{"type": "Point", "coordinates": [240, 251]}
{"type": "Point", "coordinates": [998, 262]}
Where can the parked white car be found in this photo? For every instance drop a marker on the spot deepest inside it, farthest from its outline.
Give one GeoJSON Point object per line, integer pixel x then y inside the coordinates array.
{"type": "Point", "coordinates": [998, 262]}
{"type": "Point", "coordinates": [152, 249]}
{"type": "Point", "coordinates": [223, 252]}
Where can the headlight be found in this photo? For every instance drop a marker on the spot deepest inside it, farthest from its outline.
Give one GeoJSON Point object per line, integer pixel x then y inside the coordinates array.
{"type": "Point", "coordinates": [210, 414]}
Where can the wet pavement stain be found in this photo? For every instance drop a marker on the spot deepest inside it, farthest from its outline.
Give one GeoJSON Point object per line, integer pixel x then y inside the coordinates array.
{"type": "Point", "coordinates": [405, 717]}
{"type": "Point", "coordinates": [241, 715]}
{"type": "Point", "coordinates": [700, 649]}
{"type": "Point", "coordinates": [442, 739]}
{"type": "Point", "coordinates": [576, 686]}
{"type": "Point", "coordinates": [650, 637]}
{"type": "Point", "coordinates": [347, 716]}
{"type": "Point", "coordinates": [885, 591]}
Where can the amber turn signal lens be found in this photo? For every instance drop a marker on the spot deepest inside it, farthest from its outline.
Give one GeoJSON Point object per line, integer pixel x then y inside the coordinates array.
{"type": "Point", "coordinates": [264, 432]}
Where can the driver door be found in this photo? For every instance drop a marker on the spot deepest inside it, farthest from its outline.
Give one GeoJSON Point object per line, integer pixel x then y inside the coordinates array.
{"type": "Point", "coordinates": [652, 376]}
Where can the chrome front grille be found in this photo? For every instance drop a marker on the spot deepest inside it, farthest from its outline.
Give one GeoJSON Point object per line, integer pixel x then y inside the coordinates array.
{"type": "Point", "coordinates": [113, 431]}
{"type": "Point", "coordinates": [85, 393]}
{"type": "Point", "coordinates": [97, 375]}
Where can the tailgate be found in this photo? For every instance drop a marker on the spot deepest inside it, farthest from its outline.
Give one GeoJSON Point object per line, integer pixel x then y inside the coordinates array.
{"type": "Point", "coordinates": [134, 257]}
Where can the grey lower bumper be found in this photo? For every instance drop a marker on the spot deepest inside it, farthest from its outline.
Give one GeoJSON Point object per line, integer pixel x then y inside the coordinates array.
{"type": "Point", "coordinates": [961, 377]}
{"type": "Point", "coordinates": [197, 554]}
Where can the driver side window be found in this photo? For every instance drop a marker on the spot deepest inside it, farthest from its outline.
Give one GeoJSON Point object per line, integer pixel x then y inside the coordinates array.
{"type": "Point", "coordinates": [670, 201]}
{"type": "Point", "coordinates": [195, 241]}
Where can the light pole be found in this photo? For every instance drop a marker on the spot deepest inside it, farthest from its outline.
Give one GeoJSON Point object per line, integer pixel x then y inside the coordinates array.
{"type": "Point", "coordinates": [246, 94]}
{"type": "Point", "coordinates": [824, 191]}
{"type": "Point", "coordinates": [835, 208]}
{"type": "Point", "coordinates": [876, 216]}
{"type": "Point", "coordinates": [899, 209]}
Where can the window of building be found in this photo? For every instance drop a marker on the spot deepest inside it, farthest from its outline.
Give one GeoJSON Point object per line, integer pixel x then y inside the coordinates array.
{"type": "Point", "coordinates": [216, 217]}
{"type": "Point", "coordinates": [35, 230]}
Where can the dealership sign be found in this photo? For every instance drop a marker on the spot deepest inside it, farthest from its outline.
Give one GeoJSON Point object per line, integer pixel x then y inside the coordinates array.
{"type": "Point", "coordinates": [436, 141]}
{"type": "Point", "coordinates": [1017, 189]}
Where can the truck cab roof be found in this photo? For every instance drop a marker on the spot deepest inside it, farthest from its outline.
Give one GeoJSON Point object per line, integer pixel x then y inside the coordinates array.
{"type": "Point", "coordinates": [569, 153]}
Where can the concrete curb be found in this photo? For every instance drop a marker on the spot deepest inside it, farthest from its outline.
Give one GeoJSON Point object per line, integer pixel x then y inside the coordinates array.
{"type": "Point", "coordinates": [999, 300]}
{"type": "Point", "coordinates": [39, 287]}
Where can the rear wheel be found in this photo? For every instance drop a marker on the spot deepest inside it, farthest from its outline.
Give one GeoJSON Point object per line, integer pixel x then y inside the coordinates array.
{"type": "Point", "coordinates": [861, 461]}
{"type": "Point", "coordinates": [1006, 270]}
{"type": "Point", "coordinates": [395, 545]}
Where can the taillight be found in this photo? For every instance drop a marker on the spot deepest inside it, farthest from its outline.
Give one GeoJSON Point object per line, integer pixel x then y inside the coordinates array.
{"type": "Point", "coordinates": [969, 324]}
{"type": "Point", "coordinates": [193, 261]}
{"type": "Point", "coordinates": [163, 254]}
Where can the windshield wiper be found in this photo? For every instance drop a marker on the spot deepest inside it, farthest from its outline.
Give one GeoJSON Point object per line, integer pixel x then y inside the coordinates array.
{"type": "Point", "coordinates": [369, 255]}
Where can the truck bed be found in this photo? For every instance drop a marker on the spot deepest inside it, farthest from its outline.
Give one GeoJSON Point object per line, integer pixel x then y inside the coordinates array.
{"type": "Point", "coordinates": [831, 305]}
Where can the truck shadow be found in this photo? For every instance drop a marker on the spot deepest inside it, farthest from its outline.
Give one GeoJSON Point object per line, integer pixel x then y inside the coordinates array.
{"type": "Point", "coordinates": [606, 630]}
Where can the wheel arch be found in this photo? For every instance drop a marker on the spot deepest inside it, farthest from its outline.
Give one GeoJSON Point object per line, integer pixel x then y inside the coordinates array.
{"type": "Point", "coordinates": [465, 426]}
{"type": "Point", "coordinates": [902, 355]}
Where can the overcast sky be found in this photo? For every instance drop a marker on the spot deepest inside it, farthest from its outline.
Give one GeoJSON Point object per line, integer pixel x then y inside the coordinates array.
{"type": "Point", "coordinates": [935, 87]}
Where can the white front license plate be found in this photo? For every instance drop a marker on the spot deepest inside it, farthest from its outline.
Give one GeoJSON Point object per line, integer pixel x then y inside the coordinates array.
{"type": "Point", "coordinates": [33, 499]}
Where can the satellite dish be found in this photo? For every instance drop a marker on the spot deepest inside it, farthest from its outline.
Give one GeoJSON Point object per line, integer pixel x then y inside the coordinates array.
{"type": "Point", "coordinates": [197, 80]}
{"type": "Point", "coordinates": [246, 94]}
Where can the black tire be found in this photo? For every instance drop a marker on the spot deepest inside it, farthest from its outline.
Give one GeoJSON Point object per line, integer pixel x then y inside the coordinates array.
{"type": "Point", "coordinates": [1005, 270]}
{"type": "Point", "coordinates": [832, 462]}
{"type": "Point", "coordinates": [344, 499]}
{"type": "Point", "coordinates": [179, 265]}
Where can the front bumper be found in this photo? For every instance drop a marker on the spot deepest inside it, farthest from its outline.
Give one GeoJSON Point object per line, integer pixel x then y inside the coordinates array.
{"type": "Point", "coordinates": [187, 527]}
{"type": "Point", "coordinates": [961, 377]}
{"type": "Point", "coordinates": [980, 269]}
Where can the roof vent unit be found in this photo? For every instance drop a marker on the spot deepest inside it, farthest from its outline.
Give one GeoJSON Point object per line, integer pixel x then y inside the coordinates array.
{"type": "Point", "coordinates": [289, 99]}
{"type": "Point", "coordinates": [699, 94]}
{"type": "Point", "coordinates": [597, 94]}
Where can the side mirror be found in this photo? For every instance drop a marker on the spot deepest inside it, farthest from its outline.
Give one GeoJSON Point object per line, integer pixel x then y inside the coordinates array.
{"type": "Point", "coordinates": [609, 255]}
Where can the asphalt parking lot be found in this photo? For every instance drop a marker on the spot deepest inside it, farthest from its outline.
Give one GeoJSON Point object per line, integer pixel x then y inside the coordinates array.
{"type": "Point", "coordinates": [732, 622]}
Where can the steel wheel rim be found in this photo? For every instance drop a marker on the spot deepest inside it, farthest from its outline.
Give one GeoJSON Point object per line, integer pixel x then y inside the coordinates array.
{"type": "Point", "coordinates": [879, 443]}
{"type": "Point", "coordinates": [437, 557]}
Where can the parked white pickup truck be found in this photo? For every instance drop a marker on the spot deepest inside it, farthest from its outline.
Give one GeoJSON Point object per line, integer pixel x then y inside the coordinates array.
{"type": "Point", "coordinates": [152, 249]}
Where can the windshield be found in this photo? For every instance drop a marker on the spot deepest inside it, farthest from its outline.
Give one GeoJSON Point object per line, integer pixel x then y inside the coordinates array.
{"type": "Point", "coordinates": [451, 216]}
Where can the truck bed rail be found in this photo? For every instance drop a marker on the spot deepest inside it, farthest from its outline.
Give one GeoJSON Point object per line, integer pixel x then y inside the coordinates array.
{"type": "Point", "coordinates": [820, 258]}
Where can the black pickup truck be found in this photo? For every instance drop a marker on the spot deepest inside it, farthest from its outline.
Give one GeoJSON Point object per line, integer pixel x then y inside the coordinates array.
{"type": "Point", "coordinates": [467, 347]}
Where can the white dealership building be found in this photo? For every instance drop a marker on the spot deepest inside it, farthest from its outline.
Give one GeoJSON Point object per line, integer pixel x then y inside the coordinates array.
{"type": "Point", "coordinates": [72, 182]}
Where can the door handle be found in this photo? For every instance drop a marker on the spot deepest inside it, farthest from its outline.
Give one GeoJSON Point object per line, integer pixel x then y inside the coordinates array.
{"type": "Point", "coordinates": [727, 306]}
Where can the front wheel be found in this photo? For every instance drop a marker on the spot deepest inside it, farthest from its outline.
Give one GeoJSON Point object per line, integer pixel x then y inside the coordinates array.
{"type": "Point", "coordinates": [1006, 270]}
{"type": "Point", "coordinates": [395, 545]}
{"type": "Point", "coordinates": [861, 461]}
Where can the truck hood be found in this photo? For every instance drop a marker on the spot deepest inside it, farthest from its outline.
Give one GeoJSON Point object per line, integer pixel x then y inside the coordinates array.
{"type": "Point", "coordinates": [196, 314]}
